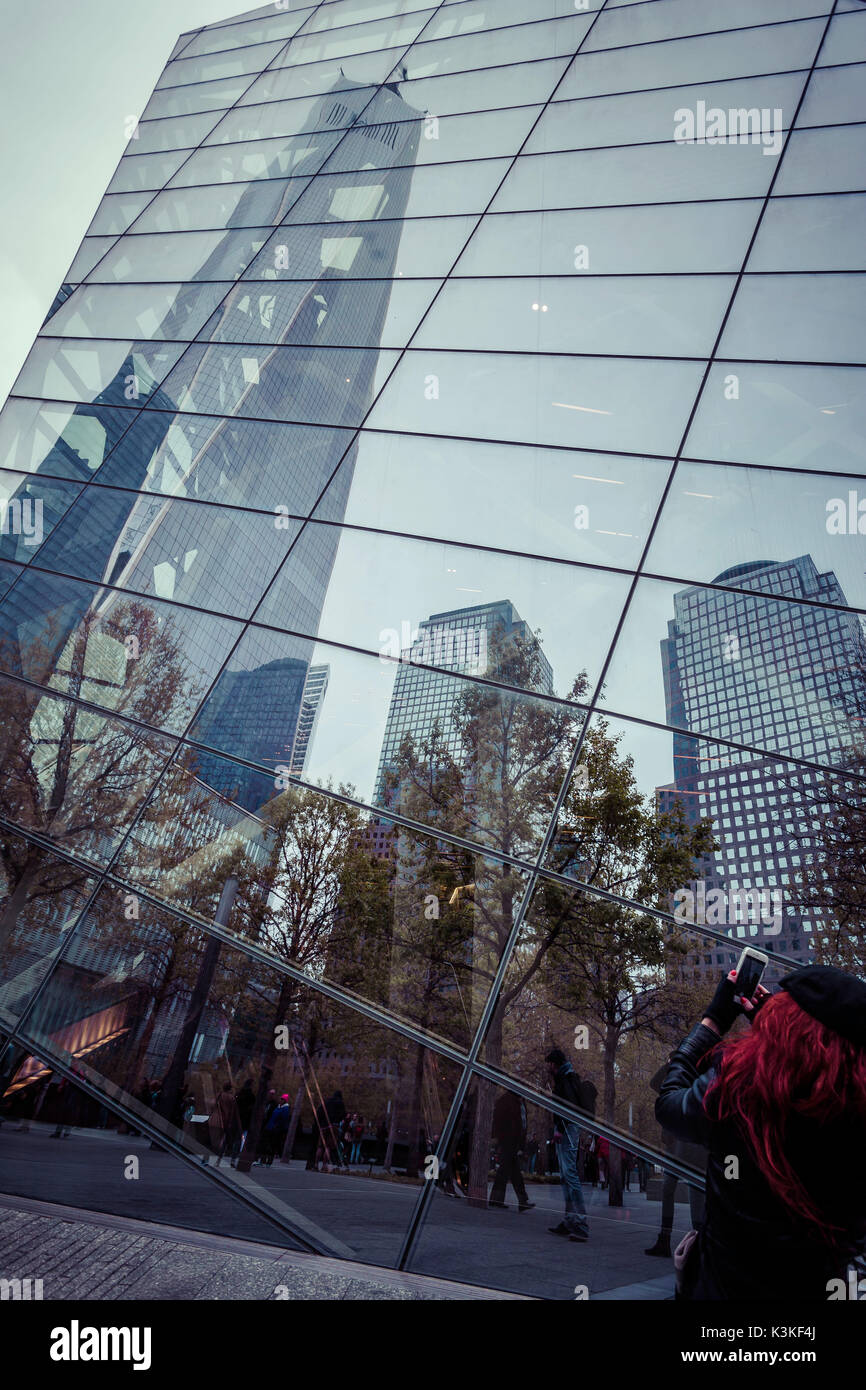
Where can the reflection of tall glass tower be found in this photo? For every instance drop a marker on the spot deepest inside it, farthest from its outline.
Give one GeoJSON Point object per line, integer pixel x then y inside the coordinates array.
{"type": "Point", "coordinates": [259, 318]}
{"type": "Point", "coordinates": [462, 641]}
{"type": "Point", "coordinates": [784, 677]}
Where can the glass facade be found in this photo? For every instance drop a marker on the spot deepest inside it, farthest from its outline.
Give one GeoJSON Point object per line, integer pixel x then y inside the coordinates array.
{"type": "Point", "coordinates": [392, 316]}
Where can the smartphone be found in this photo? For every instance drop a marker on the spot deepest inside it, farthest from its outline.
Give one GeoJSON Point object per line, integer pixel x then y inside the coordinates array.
{"type": "Point", "coordinates": [750, 968]}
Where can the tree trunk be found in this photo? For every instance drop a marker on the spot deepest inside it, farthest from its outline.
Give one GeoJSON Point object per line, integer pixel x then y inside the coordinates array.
{"type": "Point", "coordinates": [413, 1157]}
{"type": "Point", "coordinates": [286, 1155]}
{"type": "Point", "coordinates": [615, 1156]}
{"type": "Point", "coordinates": [482, 1124]}
{"type": "Point", "coordinates": [269, 1059]}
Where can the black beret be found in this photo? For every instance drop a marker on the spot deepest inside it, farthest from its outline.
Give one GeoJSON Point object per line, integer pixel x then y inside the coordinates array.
{"type": "Point", "coordinates": [832, 997]}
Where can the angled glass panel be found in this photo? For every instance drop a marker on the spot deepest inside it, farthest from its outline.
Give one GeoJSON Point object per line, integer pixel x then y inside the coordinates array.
{"type": "Point", "coordinates": [215, 255]}
{"type": "Point", "coordinates": [114, 373]}
{"type": "Point", "coordinates": [279, 25]}
{"type": "Point", "coordinates": [264, 159]}
{"type": "Point", "coordinates": [519, 43]}
{"type": "Point", "coordinates": [317, 79]}
{"type": "Point", "coordinates": [829, 160]}
{"type": "Point", "coordinates": [845, 42]}
{"type": "Point", "coordinates": [57, 439]}
{"type": "Point", "coordinates": [782, 677]}
{"type": "Point", "coordinates": [314, 385]}
{"type": "Point", "coordinates": [146, 171]}
{"type": "Point", "coordinates": [214, 458]}
{"type": "Point", "coordinates": [334, 15]}
{"type": "Point", "coordinates": [593, 403]}
{"type": "Point", "coordinates": [835, 97]}
{"type": "Point", "coordinates": [332, 1063]}
{"type": "Point", "coordinates": [208, 557]}
{"type": "Point", "coordinates": [485, 89]}
{"type": "Point", "coordinates": [185, 71]}
{"type": "Point", "coordinates": [681, 237]}
{"type": "Point", "coordinates": [671, 19]}
{"type": "Point", "coordinates": [89, 254]}
{"type": "Point", "coordinates": [657, 316]}
{"type": "Point", "coordinates": [472, 16]}
{"type": "Point", "coordinates": [71, 774]}
{"type": "Point", "coordinates": [356, 313]}
{"type": "Point", "coordinates": [716, 520]}
{"type": "Point", "coordinates": [140, 311]}
{"type": "Point", "coordinates": [152, 662]}
{"type": "Point", "coordinates": [444, 139]}
{"type": "Point", "coordinates": [177, 133]}
{"type": "Point", "coordinates": [272, 119]}
{"type": "Point", "coordinates": [794, 417]}
{"type": "Point", "coordinates": [800, 317]}
{"type": "Point", "coordinates": [116, 212]}
{"type": "Point", "coordinates": [223, 205]}
{"type": "Point", "coordinates": [558, 502]}
{"type": "Point", "coordinates": [351, 250]}
{"type": "Point", "coordinates": [429, 744]}
{"type": "Point", "coordinates": [638, 174]}
{"type": "Point", "coordinates": [711, 58]}
{"type": "Point", "coordinates": [636, 118]}
{"type": "Point", "coordinates": [41, 898]}
{"type": "Point", "coordinates": [544, 604]}
{"type": "Point", "coordinates": [359, 197]}
{"type": "Point", "coordinates": [811, 234]}
{"type": "Point", "coordinates": [204, 96]}
{"type": "Point", "coordinates": [30, 508]}
{"type": "Point", "coordinates": [422, 907]}
{"type": "Point", "coordinates": [395, 31]}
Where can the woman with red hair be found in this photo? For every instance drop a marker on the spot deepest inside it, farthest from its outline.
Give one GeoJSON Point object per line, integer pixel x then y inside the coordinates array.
{"type": "Point", "coordinates": [782, 1110]}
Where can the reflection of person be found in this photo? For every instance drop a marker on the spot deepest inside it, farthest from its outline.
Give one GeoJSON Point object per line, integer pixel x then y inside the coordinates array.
{"type": "Point", "coordinates": [509, 1131]}
{"type": "Point", "coordinates": [224, 1122]}
{"type": "Point", "coordinates": [782, 1110]}
{"type": "Point", "coordinates": [567, 1139]}
{"type": "Point", "coordinates": [691, 1154]}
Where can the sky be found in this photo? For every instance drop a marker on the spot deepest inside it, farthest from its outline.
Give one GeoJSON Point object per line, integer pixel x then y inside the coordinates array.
{"type": "Point", "coordinates": [71, 73]}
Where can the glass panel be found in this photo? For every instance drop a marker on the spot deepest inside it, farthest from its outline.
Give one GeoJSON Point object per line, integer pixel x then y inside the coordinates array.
{"type": "Point", "coordinates": [339, 12]}
{"type": "Point", "coordinates": [41, 898]}
{"type": "Point", "coordinates": [812, 234]}
{"type": "Point", "coordinates": [469, 16]}
{"type": "Point", "coordinates": [738, 53]}
{"type": "Point", "coordinates": [504, 1154]}
{"type": "Point", "coordinates": [638, 174]}
{"type": "Point", "coordinates": [835, 96]}
{"type": "Point", "coordinates": [212, 458]}
{"type": "Point", "coordinates": [180, 133]}
{"type": "Point", "coordinates": [117, 211]}
{"type": "Point", "coordinates": [90, 252]}
{"type": "Point", "coordinates": [572, 506]}
{"type": "Point", "coordinates": [214, 255]}
{"type": "Point", "coordinates": [224, 205]}
{"type": "Point", "coordinates": [828, 160]}
{"type": "Point", "coordinates": [30, 508]}
{"type": "Point", "coordinates": [425, 192]}
{"type": "Point", "coordinates": [485, 89]}
{"type": "Point", "coordinates": [205, 556]}
{"type": "Point", "coordinates": [424, 909]}
{"type": "Point", "coordinates": [443, 139]}
{"type": "Point", "coordinates": [451, 591]}
{"type": "Point", "coordinates": [394, 32]}
{"type": "Point", "coordinates": [264, 159]}
{"type": "Point", "coordinates": [205, 96]}
{"type": "Point", "coordinates": [358, 313]}
{"type": "Point", "coordinates": [352, 250]}
{"type": "Point", "coordinates": [147, 661]}
{"type": "Point", "coordinates": [70, 774]}
{"type": "Point", "coordinates": [774, 675]}
{"type": "Point", "coordinates": [287, 118]}
{"type": "Point", "coordinates": [800, 317]}
{"type": "Point", "coordinates": [139, 311]}
{"type": "Point", "coordinates": [675, 316]}
{"type": "Point", "coordinates": [795, 417]}
{"type": "Point", "coordinates": [311, 79]}
{"type": "Point", "coordinates": [673, 18]}
{"type": "Point", "coordinates": [257, 1025]}
{"type": "Point", "coordinates": [325, 386]}
{"type": "Point", "coordinates": [116, 373]}
{"type": "Point", "coordinates": [718, 519]}
{"type": "Point", "coordinates": [517, 44]}
{"type": "Point", "coordinates": [845, 41]}
{"type": "Point", "coordinates": [145, 171]}
{"type": "Point", "coordinates": [279, 25]}
{"type": "Point", "coordinates": [431, 745]}
{"type": "Point", "coordinates": [541, 400]}
{"type": "Point", "coordinates": [647, 116]}
{"type": "Point", "coordinates": [682, 237]}
{"type": "Point", "coordinates": [185, 71]}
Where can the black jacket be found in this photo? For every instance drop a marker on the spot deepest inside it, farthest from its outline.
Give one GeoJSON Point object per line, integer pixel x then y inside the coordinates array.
{"type": "Point", "coordinates": [750, 1246]}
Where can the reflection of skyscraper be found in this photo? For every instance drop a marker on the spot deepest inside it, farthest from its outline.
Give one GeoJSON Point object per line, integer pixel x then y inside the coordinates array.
{"type": "Point", "coordinates": [282, 331]}
{"type": "Point", "coordinates": [311, 707]}
{"type": "Point", "coordinates": [461, 641]}
{"type": "Point", "coordinates": [782, 677]}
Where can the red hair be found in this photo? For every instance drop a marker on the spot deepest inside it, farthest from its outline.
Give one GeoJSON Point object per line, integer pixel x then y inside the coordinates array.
{"type": "Point", "coordinates": [787, 1064]}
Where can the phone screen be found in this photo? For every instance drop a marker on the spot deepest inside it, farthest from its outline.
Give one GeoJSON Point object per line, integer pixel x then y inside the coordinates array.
{"type": "Point", "coordinates": [749, 976]}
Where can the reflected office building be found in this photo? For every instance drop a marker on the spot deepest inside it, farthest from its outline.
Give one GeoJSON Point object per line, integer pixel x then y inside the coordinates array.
{"type": "Point", "coordinates": [429, 321]}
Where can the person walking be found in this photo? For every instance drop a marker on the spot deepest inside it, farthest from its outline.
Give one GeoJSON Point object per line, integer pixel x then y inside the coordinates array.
{"type": "Point", "coordinates": [509, 1131]}
{"type": "Point", "coordinates": [224, 1122]}
{"type": "Point", "coordinates": [565, 1084]}
{"type": "Point", "coordinates": [779, 1105]}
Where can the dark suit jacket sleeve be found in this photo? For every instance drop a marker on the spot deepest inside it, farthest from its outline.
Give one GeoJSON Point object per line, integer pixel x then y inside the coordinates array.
{"type": "Point", "coordinates": [680, 1105]}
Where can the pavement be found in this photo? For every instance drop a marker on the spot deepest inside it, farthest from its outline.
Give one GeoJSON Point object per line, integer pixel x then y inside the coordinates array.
{"type": "Point", "coordinates": [58, 1190]}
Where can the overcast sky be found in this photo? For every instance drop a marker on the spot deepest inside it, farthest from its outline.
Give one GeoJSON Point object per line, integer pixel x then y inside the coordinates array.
{"type": "Point", "coordinates": [71, 72]}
